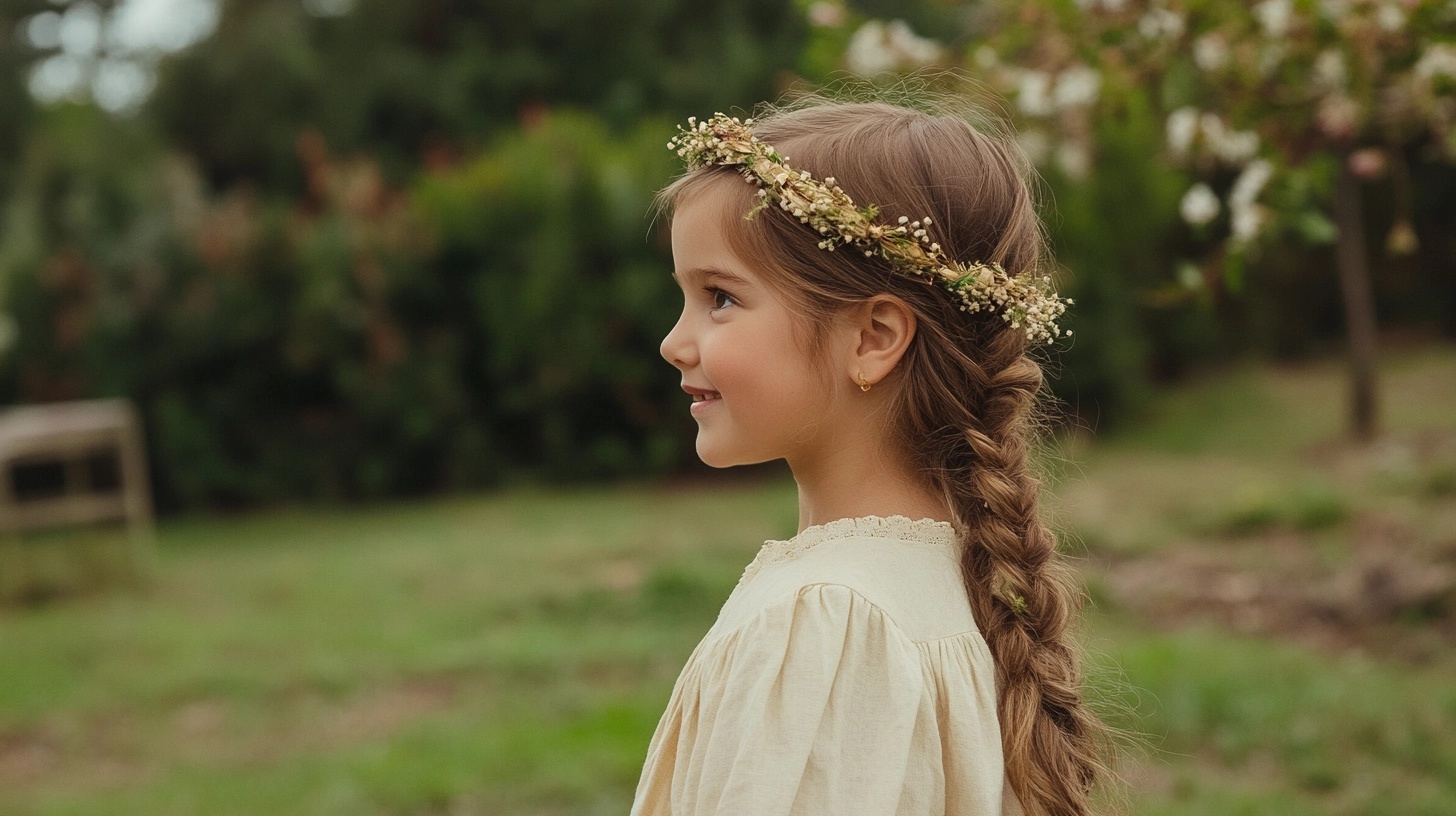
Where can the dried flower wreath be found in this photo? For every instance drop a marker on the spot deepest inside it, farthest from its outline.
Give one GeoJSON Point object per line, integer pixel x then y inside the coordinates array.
{"type": "Point", "coordinates": [1022, 299]}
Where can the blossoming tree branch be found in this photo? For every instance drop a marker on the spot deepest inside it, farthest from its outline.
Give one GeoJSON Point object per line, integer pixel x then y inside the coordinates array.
{"type": "Point", "coordinates": [1279, 110]}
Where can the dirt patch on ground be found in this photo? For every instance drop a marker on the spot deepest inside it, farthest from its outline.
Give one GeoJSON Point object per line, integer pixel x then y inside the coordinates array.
{"type": "Point", "coordinates": [96, 756]}
{"type": "Point", "coordinates": [1429, 451]}
{"type": "Point", "coordinates": [110, 751]}
{"type": "Point", "coordinates": [26, 755]}
{"type": "Point", "coordinates": [379, 714]}
{"type": "Point", "coordinates": [1388, 597]}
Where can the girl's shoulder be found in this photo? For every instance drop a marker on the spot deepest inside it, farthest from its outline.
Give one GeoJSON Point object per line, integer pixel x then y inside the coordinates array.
{"type": "Point", "coordinates": [909, 569]}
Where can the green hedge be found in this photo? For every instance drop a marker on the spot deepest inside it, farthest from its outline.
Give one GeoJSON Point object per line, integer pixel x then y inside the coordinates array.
{"type": "Point", "coordinates": [498, 320]}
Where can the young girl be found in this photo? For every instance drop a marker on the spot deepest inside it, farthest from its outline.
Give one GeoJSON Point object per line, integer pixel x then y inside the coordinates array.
{"type": "Point", "coordinates": [870, 321]}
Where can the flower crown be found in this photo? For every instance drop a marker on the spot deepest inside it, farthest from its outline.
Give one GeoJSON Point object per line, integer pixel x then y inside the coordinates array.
{"type": "Point", "coordinates": [1022, 299]}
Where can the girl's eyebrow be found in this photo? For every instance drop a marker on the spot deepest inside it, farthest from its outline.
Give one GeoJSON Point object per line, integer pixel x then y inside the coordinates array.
{"type": "Point", "coordinates": [710, 272]}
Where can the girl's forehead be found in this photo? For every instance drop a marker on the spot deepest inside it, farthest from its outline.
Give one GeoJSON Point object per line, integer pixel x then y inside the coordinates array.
{"type": "Point", "coordinates": [700, 237]}
{"type": "Point", "coordinates": [712, 202]}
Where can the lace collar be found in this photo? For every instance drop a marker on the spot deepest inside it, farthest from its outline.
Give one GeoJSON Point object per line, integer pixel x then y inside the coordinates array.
{"type": "Point", "coordinates": [901, 528]}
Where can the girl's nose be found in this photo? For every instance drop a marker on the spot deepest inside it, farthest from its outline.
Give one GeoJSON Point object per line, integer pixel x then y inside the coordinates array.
{"type": "Point", "coordinates": [675, 347]}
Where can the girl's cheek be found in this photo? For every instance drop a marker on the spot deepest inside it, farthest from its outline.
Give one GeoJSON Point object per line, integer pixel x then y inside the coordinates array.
{"type": "Point", "coordinates": [724, 361]}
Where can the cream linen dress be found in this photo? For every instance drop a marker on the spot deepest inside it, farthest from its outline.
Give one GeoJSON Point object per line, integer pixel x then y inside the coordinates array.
{"type": "Point", "coordinates": [844, 676]}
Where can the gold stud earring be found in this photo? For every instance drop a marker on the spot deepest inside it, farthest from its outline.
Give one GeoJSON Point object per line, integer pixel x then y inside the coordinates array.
{"type": "Point", "coordinates": [863, 386]}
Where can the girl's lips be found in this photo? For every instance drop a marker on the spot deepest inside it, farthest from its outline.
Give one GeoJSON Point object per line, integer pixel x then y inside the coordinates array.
{"type": "Point", "coordinates": [701, 405]}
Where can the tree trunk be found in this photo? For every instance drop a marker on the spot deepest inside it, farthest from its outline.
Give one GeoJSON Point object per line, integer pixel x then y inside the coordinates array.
{"type": "Point", "coordinates": [1350, 258]}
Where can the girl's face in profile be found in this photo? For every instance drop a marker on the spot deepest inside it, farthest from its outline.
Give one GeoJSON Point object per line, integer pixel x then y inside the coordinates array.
{"type": "Point", "coordinates": [735, 339]}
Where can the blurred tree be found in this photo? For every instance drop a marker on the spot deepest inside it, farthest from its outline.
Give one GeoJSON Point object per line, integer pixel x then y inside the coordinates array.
{"type": "Point", "coordinates": [1290, 106]}
{"type": "Point", "coordinates": [426, 81]}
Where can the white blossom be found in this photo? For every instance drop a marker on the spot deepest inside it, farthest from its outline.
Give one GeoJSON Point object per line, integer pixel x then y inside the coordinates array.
{"type": "Point", "coordinates": [1210, 52]}
{"type": "Point", "coordinates": [1076, 87]}
{"type": "Point", "coordinates": [1199, 205]}
{"type": "Point", "coordinates": [1334, 9]}
{"type": "Point", "coordinates": [1231, 146]}
{"type": "Point", "coordinates": [1032, 96]}
{"type": "Point", "coordinates": [1438, 59]}
{"type": "Point", "coordinates": [1237, 146]}
{"type": "Point", "coordinates": [1330, 72]}
{"type": "Point", "coordinates": [1075, 159]}
{"type": "Point", "coordinates": [1161, 23]}
{"type": "Point", "coordinates": [877, 47]}
{"type": "Point", "coordinates": [1245, 223]}
{"type": "Point", "coordinates": [1249, 184]}
{"type": "Point", "coordinates": [915, 50]}
{"type": "Point", "coordinates": [1182, 129]}
{"type": "Point", "coordinates": [1274, 16]}
{"type": "Point", "coordinates": [867, 53]}
{"type": "Point", "coordinates": [1390, 17]}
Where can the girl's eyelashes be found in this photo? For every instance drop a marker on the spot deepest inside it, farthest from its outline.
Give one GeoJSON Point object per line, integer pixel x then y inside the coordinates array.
{"type": "Point", "coordinates": [718, 296]}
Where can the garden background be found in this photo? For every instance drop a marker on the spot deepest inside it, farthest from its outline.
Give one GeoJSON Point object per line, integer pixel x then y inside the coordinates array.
{"type": "Point", "coordinates": [383, 282]}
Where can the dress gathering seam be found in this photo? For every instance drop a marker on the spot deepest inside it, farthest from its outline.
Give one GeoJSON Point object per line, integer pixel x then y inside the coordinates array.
{"type": "Point", "coordinates": [792, 598]}
{"type": "Point", "coordinates": [902, 528]}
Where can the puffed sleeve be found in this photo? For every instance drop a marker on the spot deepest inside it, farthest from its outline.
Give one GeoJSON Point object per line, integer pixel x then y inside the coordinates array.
{"type": "Point", "coordinates": [808, 709]}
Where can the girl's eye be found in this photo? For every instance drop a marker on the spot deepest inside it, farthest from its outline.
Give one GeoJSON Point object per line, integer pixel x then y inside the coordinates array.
{"type": "Point", "coordinates": [718, 296]}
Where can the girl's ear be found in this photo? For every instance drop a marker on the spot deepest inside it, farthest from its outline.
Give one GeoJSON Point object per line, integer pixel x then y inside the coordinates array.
{"type": "Point", "coordinates": [881, 328]}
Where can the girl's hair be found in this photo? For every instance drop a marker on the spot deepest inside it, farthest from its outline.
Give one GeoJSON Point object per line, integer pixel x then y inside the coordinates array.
{"type": "Point", "coordinates": [965, 394]}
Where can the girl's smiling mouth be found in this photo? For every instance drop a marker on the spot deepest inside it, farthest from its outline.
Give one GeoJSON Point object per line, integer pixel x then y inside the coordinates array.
{"type": "Point", "coordinates": [702, 397]}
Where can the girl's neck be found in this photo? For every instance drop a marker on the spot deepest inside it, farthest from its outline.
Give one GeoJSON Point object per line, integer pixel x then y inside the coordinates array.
{"type": "Point", "coordinates": [849, 484]}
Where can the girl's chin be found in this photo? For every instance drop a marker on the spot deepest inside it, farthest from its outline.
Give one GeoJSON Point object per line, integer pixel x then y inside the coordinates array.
{"type": "Point", "coordinates": [714, 459]}
{"type": "Point", "coordinates": [715, 456]}
{"type": "Point", "coordinates": [719, 457]}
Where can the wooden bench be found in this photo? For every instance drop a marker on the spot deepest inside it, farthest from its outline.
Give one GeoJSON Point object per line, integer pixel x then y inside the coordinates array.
{"type": "Point", "coordinates": [71, 433]}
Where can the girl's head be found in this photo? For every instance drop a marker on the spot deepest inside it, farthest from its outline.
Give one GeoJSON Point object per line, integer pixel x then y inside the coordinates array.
{"type": "Point", "coordinates": [954, 392]}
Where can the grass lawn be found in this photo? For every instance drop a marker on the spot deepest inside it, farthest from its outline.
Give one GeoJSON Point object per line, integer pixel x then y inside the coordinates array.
{"type": "Point", "coordinates": [511, 653]}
